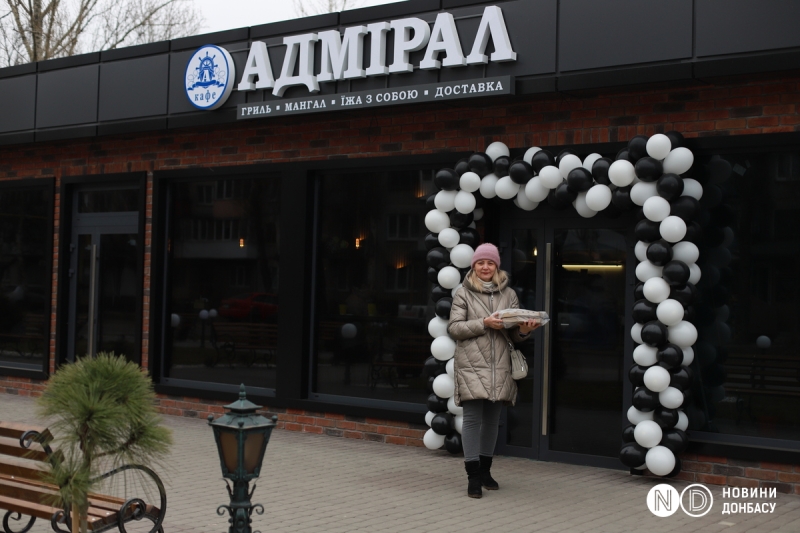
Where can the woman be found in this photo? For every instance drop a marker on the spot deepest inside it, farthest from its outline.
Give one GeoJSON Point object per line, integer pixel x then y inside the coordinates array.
{"type": "Point", "coordinates": [482, 361]}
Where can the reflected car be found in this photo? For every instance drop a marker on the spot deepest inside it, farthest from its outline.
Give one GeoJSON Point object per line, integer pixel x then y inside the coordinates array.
{"type": "Point", "coordinates": [253, 306]}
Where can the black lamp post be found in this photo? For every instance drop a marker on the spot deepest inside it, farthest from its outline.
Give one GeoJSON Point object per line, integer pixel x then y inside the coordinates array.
{"type": "Point", "coordinates": [242, 436]}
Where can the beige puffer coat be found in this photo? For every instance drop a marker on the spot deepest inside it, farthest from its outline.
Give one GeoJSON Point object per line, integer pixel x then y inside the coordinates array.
{"type": "Point", "coordinates": [482, 363]}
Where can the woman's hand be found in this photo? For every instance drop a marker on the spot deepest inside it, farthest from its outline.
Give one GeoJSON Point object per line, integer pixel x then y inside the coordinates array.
{"type": "Point", "coordinates": [493, 321]}
{"type": "Point", "coordinates": [528, 326]}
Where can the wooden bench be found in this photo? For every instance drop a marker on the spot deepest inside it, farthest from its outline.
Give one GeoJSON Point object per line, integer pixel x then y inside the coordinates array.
{"type": "Point", "coordinates": [760, 375]}
{"type": "Point", "coordinates": [248, 341]}
{"type": "Point", "coordinates": [25, 455]}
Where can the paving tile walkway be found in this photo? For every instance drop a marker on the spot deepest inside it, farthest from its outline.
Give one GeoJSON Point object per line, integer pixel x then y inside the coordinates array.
{"type": "Point", "coordinates": [320, 484]}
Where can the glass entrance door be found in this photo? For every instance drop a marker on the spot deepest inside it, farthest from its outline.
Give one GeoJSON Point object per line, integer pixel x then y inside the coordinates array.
{"type": "Point", "coordinates": [570, 406]}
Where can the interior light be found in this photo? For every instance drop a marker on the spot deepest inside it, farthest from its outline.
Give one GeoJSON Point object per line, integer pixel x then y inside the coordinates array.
{"type": "Point", "coordinates": [241, 243]}
{"type": "Point", "coordinates": [358, 243]}
{"type": "Point", "coordinates": [535, 251]}
{"type": "Point", "coordinates": [595, 267]}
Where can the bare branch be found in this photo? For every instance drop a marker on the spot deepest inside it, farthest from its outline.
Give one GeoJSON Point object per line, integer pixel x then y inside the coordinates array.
{"type": "Point", "coordinates": [306, 8]}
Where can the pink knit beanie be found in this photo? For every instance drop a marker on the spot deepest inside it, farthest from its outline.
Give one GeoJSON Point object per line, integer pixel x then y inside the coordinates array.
{"type": "Point", "coordinates": [486, 251]}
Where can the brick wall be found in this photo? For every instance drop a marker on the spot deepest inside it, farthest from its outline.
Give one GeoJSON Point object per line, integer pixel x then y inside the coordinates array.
{"type": "Point", "coordinates": [736, 473]}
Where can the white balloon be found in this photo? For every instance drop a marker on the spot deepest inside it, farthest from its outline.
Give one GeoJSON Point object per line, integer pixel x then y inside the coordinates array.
{"type": "Point", "coordinates": [692, 188]}
{"type": "Point", "coordinates": [464, 202]}
{"type": "Point", "coordinates": [212, 313]}
{"type": "Point", "coordinates": [175, 320]}
{"type": "Point", "coordinates": [598, 197]}
{"type": "Point", "coordinates": [670, 312]}
{"type": "Point", "coordinates": [685, 251]}
{"type": "Point", "coordinates": [429, 417]}
{"type": "Point", "coordinates": [641, 191]}
{"type": "Point", "coordinates": [655, 208]}
{"type": "Point", "coordinates": [349, 331]}
{"type": "Point", "coordinates": [646, 270]}
{"type": "Point", "coordinates": [640, 250]}
{"type": "Point", "coordinates": [683, 421]}
{"type": "Point", "coordinates": [445, 200]}
{"type": "Point", "coordinates": [688, 356]}
{"type": "Point", "coordinates": [763, 342]}
{"type": "Point", "coordinates": [437, 327]}
{"type": "Point", "coordinates": [550, 177]}
{"type": "Point", "coordinates": [453, 408]}
{"type": "Point", "coordinates": [671, 398]}
{"type": "Point", "coordinates": [488, 184]}
{"type": "Point", "coordinates": [461, 255]}
{"type": "Point", "coordinates": [477, 214]}
{"type": "Point", "coordinates": [672, 229]}
{"type": "Point", "coordinates": [645, 355]}
{"type": "Point", "coordinates": [469, 181]}
{"type": "Point", "coordinates": [567, 163]}
{"type": "Point", "coordinates": [635, 416]}
{"type": "Point", "coordinates": [580, 206]}
{"type": "Point", "coordinates": [436, 221]}
{"type": "Point", "coordinates": [636, 333]}
{"type": "Point", "coordinates": [656, 378]}
{"type": "Point", "coordinates": [678, 161]}
{"type": "Point", "coordinates": [443, 348]}
{"type": "Point", "coordinates": [660, 460]}
{"type": "Point", "coordinates": [682, 334]}
{"type": "Point", "coordinates": [497, 149]}
{"type": "Point", "coordinates": [621, 173]}
{"type": "Point", "coordinates": [450, 369]}
{"type": "Point", "coordinates": [506, 188]}
{"type": "Point", "coordinates": [590, 160]}
{"type": "Point", "coordinates": [658, 146]}
{"type": "Point", "coordinates": [656, 290]}
{"type": "Point", "coordinates": [432, 440]}
{"type": "Point", "coordinates": [449, 277]}
{"type": "Point", "coordinates": [694, 273]}
{"type": "Point", "coordinates": [529, 153]}
{"type": "Point", "coordinates": [535, 191]}
{"type": "Point", "coordinates": [443, 386]}
{"type": "Point", "coordinates": [458, 421]}
{"type": "Point", "coordinates": [455, 289]}
{"type": "Point", "coordinates": [647, 433]}
{"type": "Point", "coordinates": [203, 315]}
{"type": "Point", "coordinates": [448, 237]}
{"type": "Point", "coordinates": [523, 202]}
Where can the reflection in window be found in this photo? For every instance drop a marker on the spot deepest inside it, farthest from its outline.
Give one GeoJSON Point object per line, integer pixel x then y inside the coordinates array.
{"type": "Point", "coordinates": [24, 277]}
{"type": "Point", "coordinates": [747, 362]}
{"type": "Point", "coordinates": [222, 313]}
{"type": "Point", "coordinates": [373, 296]}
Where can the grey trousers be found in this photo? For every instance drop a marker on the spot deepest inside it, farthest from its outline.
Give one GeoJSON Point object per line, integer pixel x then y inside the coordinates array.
{"type": "Point", "coordinates": [479, 428]}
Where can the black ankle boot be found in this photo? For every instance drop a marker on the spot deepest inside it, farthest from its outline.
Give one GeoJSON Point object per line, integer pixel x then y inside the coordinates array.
{"type": "Point", "coordinates": [486, 478]}
{"type": "Point", "coordinates": [474, 476]}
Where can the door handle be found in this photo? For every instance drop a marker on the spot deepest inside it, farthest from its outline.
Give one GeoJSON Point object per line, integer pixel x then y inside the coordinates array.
{"type": "Point", "coordinates": [92, 291]}
{"type": "Point", "coordinates": [548, 307]}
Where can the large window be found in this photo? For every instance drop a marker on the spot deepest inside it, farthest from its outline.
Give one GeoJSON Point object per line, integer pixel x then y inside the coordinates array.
{"type": "Point", "coordinates": [747, 361]}
{"type": "Point", "coordinates": [25, 250]}
{"type": "Point", "coordinates": [222, 293]}
{"type": "Point", "coordinates": [372, 293]}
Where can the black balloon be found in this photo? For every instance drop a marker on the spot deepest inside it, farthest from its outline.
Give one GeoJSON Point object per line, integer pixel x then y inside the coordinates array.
{"type": "Point", "coordinates": [676, 138]}
{"type": "Point", "coordinates": [438, 257]}
{"type": "Point", "coordinates": [689, 314]}
{"type": "Point", "coordinates": [676, 469]}
{"type": "Point", "coordinates": [714, 375]}
{"type": "Point", "coordinates": [666, 418]}
{"type": "Point", "coordinates": [659, 252]}
{"type": "Point", "coordinates": [647, 230]}
{"type": "Point", "coordinates": [431, 379]}
{"type": "Point", "coordinates": [470, 237]}
{"type": "Point", "coordinates": [644, 311]}
{"type": "Point", "coordinates": [693, 232]}
{"type": "Point", "coordinates": [612, 211]}
{"type": "Point", "coordinates": [541, 159]}
{"type": "Point", "coordinates": [640, 214]}
{"type": "Point", "coordinates": [433, 367]}
{"type": "Point", "coordinates": [452, 443]}
{"type": "Point", "coordinates": [648, 169]}
{"type": "Point", "coordinates": [432, 241]}
{"type": "Point", "coordinates": [561, 155]}
{"type": "Point", "coordinates": [443, 308]}
{"type": "Point", "coordinates": [430, 202]}
{"type": "Point", "coordinates": [670, 187]}
{"type": "Point", "coordinates": [676, 273]}
{"type": "Point", "coordinates": [685, 295]}
{"type": "Point", "coordinates": [502, 165]}
{"type": "Point", "coordinates": [636, 375]}
{"type": "Point", "coordinates": [685, 207]}
{"type": "Point", "coordinates": [437, 293]}
{"type": "Point", "coordinates": [520, 172]}
{"type": "Point", "coordinates": [436, 404]}
{"type": "Point", "coordinates": [579, 179]}
{"type": "Point", "coordinates": [627, 434]}
{"type": "Point", "coordinates": [670, 355]}
{"type": "Point", "coordinates": [637, 147]}
{"type": "Point", "coordinates": [621, 198]}
{"type": "Point", "coordinates": [460, 220]}
{"type": "Point", "coordinates": [681, 378]}
{"type": "Point", "coordinates": [632, 455]}
{"type": "Point", "coordinates": [446, 179]}
{"type": "Point", "coordinates": [433, 275]}
{"type": "Point", "coordinates": [558, 202]}
{"type": "Point", "coordinates": [462, 166]}
{"type": "Point", "coordinates": [480, 200]}
{"type": "Point", "coordinates": [564, 194]}
{"type": "Point", "coordinates": [645, 400]}
{"type": "Point", "coordinates": [638, 291]}
{"type": "Point", "coordinates": [480, 164]}
{"type": "Point", "coordinates": [654, 333]}
{"type": "Point", "coordinates": [442, 423]}
{"type": "Point", "coordinates": [600, 170]}
{"type": "Point", "coordinates": [624, 154]}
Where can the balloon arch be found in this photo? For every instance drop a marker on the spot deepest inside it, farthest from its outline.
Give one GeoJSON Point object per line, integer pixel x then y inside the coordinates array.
{"type": "Point", "coordinates": [648, 173]}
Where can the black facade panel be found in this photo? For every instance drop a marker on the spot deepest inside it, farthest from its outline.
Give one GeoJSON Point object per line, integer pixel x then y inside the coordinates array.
{"type": "Point", "coordinates": [122, 93]}
{"type": "Point", "coordinates": [132, 126]}
{"type": "Point", "coordinates": [17, 138]}
{"type": "Point", "coordinates": [629, 76]}
{"type": "Point", "coordinates": [202, 118]}
{"type": "Point", "coordinates": [18, 104]}
{"type": "Point", "coordinates": [536, 85]}
{"type": "Point", "coordinates": [18, 70]}
{"type": "Point", "coordinates": [750, 64]}
{"type": "Point", "coordinates": [161, 47]}
{"type": "Point", "coordinates": [622, 32]}
{"type": "Point", "coordinates": [66, 97]}
{"type": "Point", "coordinates": [68, 62]}
{"type": "Point", "coordinates": [218, 38]}
{"type": "Point", "coordinates": [75, 132]}
{"type": "Point", "coordinates": [291, 27]}
{"type": "Point", "coordinates": [532, 29]}
{"type": "Point", "coordinates": [733, 26]}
